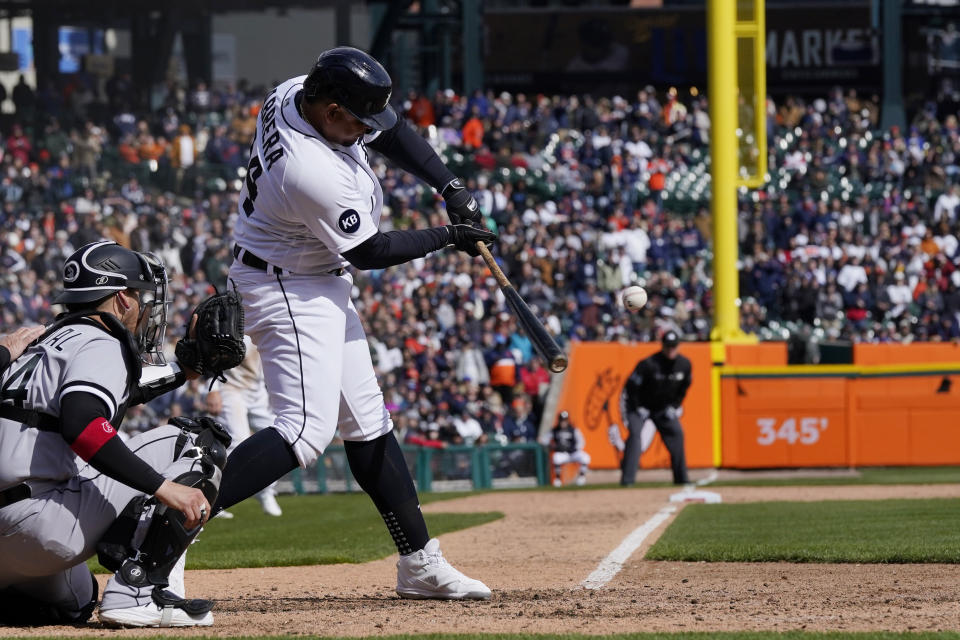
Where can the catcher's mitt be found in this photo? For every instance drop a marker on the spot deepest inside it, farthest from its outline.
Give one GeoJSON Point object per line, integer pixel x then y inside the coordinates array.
{"type": "Point", "coordinates": [217, 342]}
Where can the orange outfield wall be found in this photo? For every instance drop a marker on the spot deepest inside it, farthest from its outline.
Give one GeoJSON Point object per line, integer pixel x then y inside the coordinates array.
{"type": "Point", "coordinates": [826, 416]}
{"type": "Point", "coordinates": [762, 354]}
{"type": "Point", "coordinates": [591, 393]}
{"type": "Point", "coordinates": [914, 353]}
{"type": "Point", "coordinates": [905, 419]}
{"type": "Point", "coordinates": [898, 405]}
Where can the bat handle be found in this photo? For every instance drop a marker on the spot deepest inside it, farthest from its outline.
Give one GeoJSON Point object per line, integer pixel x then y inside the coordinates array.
{"type": "Point", "coordinates": [495, 269]}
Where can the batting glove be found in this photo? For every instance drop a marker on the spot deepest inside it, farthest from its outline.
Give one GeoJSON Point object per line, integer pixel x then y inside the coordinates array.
{"type": "Point", "coordinates": [465, 237]}
{"type": "Point", "coordinates": [462, 208]}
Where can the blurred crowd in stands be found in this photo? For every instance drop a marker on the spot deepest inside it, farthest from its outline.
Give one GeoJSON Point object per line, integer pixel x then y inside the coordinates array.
{"type": "Point", "coordinates": [853, 238]}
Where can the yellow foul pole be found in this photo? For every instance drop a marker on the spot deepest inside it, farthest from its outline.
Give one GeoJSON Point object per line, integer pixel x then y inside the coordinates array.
{"type": "Point", "coordinates": [723, 62]}
{"type": "Point", "coordinates": [722, 95]}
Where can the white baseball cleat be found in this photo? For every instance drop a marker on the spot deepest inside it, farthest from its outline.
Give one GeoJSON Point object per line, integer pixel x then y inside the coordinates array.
{"type": "Point", "coordinates": [581, 480]}
{"type": "Point", "coordinates": [557, 482]}
{"type": "Point", "coordinates": [153, 615]}
{"type": "Point", "coordinates": [426, 574]}
{"type": "Point", "coordinates": [226, 515]}
{"type": "Point", "coordinates": [268, 502]}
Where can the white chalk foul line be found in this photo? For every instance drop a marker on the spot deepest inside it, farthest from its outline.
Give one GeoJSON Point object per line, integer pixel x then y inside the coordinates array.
{"type": "Point", "coordinates": [612, 564]}
{"type": "Point", "coordinates": [708, 480]}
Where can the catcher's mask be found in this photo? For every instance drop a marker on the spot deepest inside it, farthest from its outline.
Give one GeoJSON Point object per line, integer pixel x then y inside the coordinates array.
{"type": "Point", "coordinates": [152, 323]}
{"type": "Point", "coordinates": [100, 269]}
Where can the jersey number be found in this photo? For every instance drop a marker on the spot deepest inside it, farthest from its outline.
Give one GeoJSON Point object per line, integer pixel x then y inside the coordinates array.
{"type": "Point", "coordinates": [254, 171]}
{"type": "Point", "coordinates": [19, 393]}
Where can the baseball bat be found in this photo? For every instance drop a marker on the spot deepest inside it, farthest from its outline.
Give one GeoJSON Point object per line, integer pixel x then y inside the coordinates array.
{"type": "Point", "coordinates": [545, 346]}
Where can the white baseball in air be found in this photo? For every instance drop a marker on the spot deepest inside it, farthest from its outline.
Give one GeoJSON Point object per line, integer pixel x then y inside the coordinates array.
{"type": "Point", "coordinates": [634, 298]}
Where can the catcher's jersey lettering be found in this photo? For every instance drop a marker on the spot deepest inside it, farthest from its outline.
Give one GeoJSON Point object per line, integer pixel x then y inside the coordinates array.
{"type": "Point", "coordinates": [311, 199]}
{"type": "Point", "coordinates": [14, 389]}
{"type": "Point", "coordinates": [56, 340]}
{"type": "Point", "coordinates": [79, 358]}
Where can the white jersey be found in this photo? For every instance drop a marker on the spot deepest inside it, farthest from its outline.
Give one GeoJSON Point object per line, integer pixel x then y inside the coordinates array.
{"type": "Point", "coordinates": [80, 357]}
{"type": "Point", "coordinates": [305, 200]}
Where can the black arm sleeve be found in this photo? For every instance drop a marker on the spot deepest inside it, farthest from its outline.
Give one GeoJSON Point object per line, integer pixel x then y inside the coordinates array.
{"type": "Point", "coordinates": [4, 358]}
{"type": "Point", "coordinates": [114, 458]}
{"type": "Point", "coordinates": [384, 250]}
{"type": "Point", "coordinates": [408, 150]}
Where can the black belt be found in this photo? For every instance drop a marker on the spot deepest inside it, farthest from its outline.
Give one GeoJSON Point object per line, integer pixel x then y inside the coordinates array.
{"type": "Point", "coordinates": [251, 260]}
{"type": "Point", "coordinates": [13, 494]}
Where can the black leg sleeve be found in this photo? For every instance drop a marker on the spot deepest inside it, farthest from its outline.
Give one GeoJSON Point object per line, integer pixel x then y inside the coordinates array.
{"type": "Point", "coordinates": [379, 467]}
{"type": "Point", "coordinates": [672, 434]}
{"type": "Point", "coordinates": [254, 465]}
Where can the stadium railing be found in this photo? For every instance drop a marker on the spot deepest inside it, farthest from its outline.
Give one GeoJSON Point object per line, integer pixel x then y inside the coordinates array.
{"type": "Point", "coordinates": [452, 468]}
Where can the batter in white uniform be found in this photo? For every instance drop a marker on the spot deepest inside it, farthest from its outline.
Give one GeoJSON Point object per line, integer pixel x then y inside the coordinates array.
{"type": "Point", "coordinates": [310, 208]}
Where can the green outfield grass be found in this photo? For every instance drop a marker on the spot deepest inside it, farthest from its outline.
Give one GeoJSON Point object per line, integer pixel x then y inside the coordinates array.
{"type": "Point", "coordinates": [326, 529]}
{"type": "Point", "coordinates": [861, 476]}
{"type": "Point", "coordinates": [887, 531]}
{"type": "Point", "coordinates": [314, 529]}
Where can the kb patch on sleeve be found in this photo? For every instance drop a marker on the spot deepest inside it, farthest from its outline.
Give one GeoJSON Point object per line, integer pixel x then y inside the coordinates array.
{"type": "Point", "coordinates": [349, 221]}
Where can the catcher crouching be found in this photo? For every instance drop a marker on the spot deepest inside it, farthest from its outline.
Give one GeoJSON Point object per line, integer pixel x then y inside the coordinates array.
{"type": "Point", "coordinates": [70, 488]}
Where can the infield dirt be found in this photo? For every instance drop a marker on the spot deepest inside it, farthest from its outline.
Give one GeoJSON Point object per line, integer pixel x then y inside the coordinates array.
{"type": "Point", "coordinates": [536, 557]}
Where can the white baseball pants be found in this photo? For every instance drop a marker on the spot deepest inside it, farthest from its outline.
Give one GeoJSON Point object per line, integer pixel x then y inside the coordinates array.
{"type": "Point", "coordinates": [316, 361]}
{"type": "Point", "coordinates": [561, 458]}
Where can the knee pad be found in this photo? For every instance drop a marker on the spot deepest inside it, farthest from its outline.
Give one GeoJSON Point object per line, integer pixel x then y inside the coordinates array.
{"type": "Point", "coordinates": [208, 435]}
{"type": "Point", "coordinates": [116, 544]}
{"type": "Point", "coordinates": [166, 537]}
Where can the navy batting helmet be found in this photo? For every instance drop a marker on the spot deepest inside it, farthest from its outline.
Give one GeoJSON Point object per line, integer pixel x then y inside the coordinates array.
{"type": "Point", "coordinates": [355, 81]}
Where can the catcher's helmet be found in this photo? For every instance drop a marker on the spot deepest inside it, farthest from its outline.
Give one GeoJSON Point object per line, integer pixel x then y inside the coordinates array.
{"type": "Point", "coordinates": [355, 81]}
{"type": "Point", "coordinates": [99, 269]}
